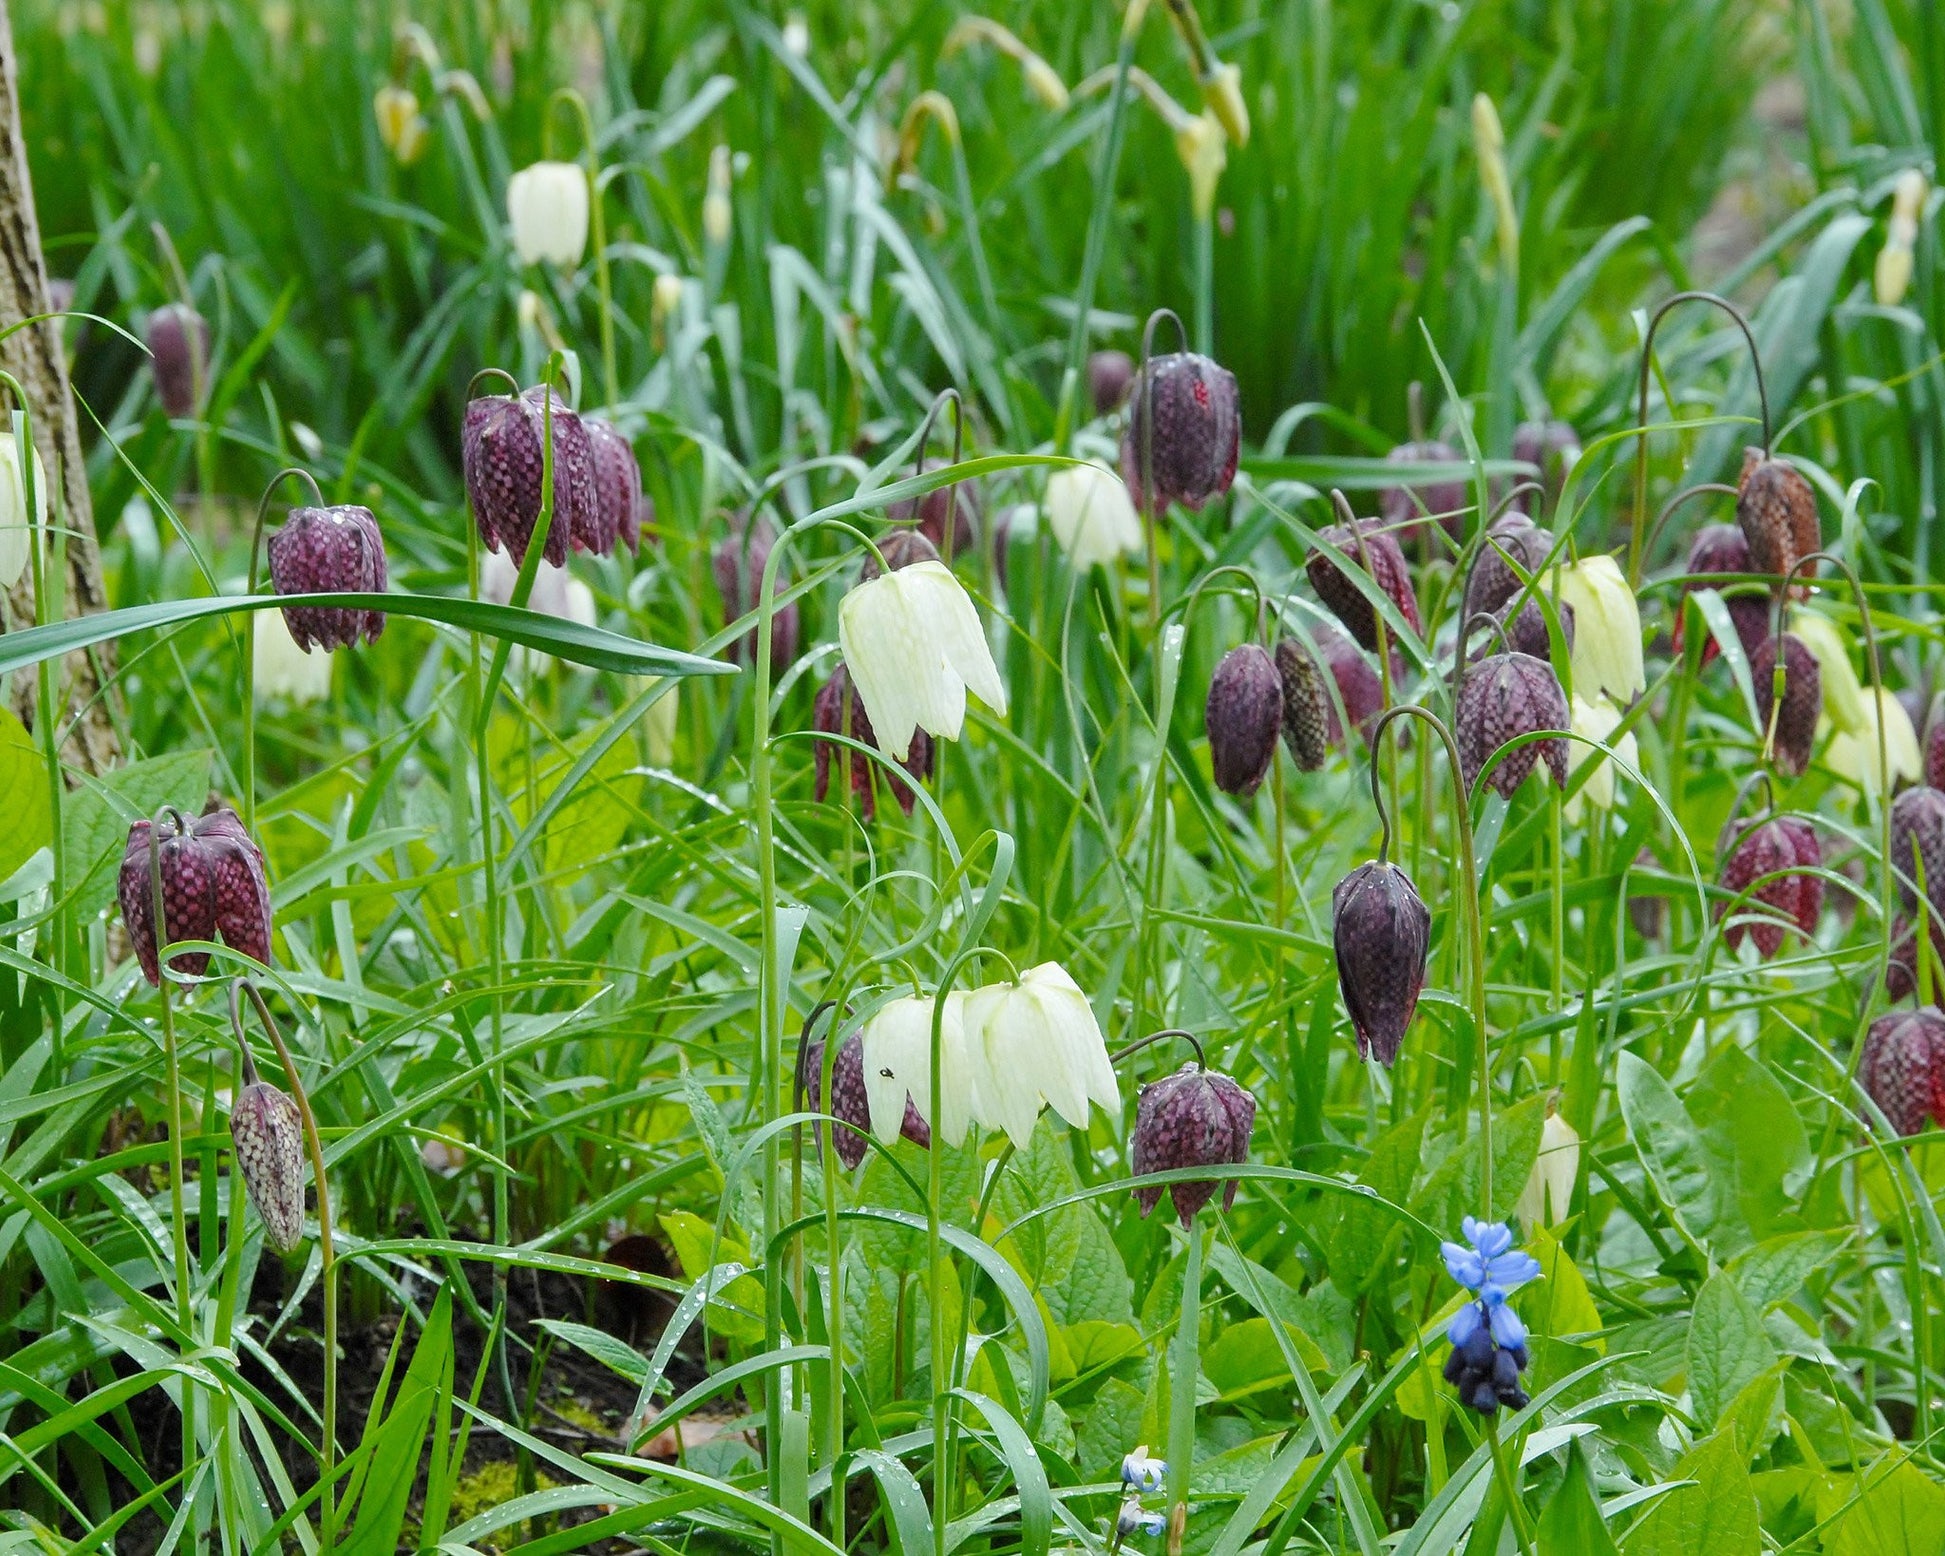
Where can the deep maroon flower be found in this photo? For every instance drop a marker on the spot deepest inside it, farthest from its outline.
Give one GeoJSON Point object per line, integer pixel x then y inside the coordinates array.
{"type": "Point", "coordinates": [1193, 1118]}
{"type": "Point", "coordinates": [178, 341]}
{"type": "Point", "coordinates": [1308, 717]}
{"type": "Point", "coordinates": [1526, 631]}
{"type": "Point", "coordinates": [622, 510]}
{"type": "Point", "coordinates": [962, 497]}
{"type": "Point", "coordinates": [849, 1103]}
{"type": "Point", "coordinates": [1243, 717]}
{"type": "Point", "coordinates": [1370, 547]}
{"type": "Point", "coordinates": [1721, 550]}
{"type": "Point", "coordinates": [1552, 446]}
{"type": "Point", "coordinates": [1197, 430]}
{"type": "Point", "coordinates": [1901, 970]}
{"type": "Point", "coordinates": [1902, 1067]}
{"type": "Point", "coordinates": [1935, 747]}
{"type": "Point", "coordinates": [738, 561]}
{"type": "Point", "coordinates": [836, 700]}
{"type": "Point", "coordinates": [1777, 513]}
{"type": "Point", "coordinates": [1501, 698]}
{"type": "Point", "coordinates": [1381, 931]}
{"type": "Point", "coordinates": [1359, 686]}
{"type": "Point", "coordinates": [267, 1132]}
{"type": "Point", "coordinates": [329, 551]}
{"type": "Point", "coordinates": [1780, 848]}
{"type": "Point", "coordinates": [1406, 508]}
{"type": "Point", "coordinates": [212, 884]}
{"type": "Point", "coordinates": [1492, 581]}
{"type": "Point", "coordinates": [502, 452]}
{"type": "Point", "coordinates": [1796, 717]}
{"type": "Point", "coordinates": [1109, 373]}
{"type": "Point", "coordinates": [1918, 840]}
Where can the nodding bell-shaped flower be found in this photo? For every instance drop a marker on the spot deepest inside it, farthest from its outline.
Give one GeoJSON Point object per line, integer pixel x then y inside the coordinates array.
{"type": "Point", "coordinates": [1552, 446]}
{"type": "Point", "coordinates": [17, 525]}
{"type": "Point", "coordinates": [1853, 753]}
{"type": "Point", "coordinates": [1035, 1042]}
{"type": "Point", "coordinates": [1193, 1118]}
{"type": "Point", "coordinates": [1607, 628]}
{"type": "Point", "coordinates": [1550, 1186]}
{"type": "Point", "coordinates": [1902, 1068]}
{"type": "Point", "coordinates": [1366, 546]}
{"type": "Point", "coordinates": [267, 1133]}
{"type": "Point", "coordinates": [837, 711]}
{"type": "Point", "coordinates": [1359, 686]}
{"type": "Point", "coordinates": [1492, 582]}
{"type": "Point", "coordinates": [738, 562]}
{"type": "Point", "coordinates": [1501, 698]}
{"type": "Point", "coordinates": [547, 207]}
{"type": "Point", "coordinates": [1901, 969]}
{"type": "Point", "coordinates": [336, 550]}
{"type": "Point", "coordinates": [1197, 430]}
{"type": "Point", "coordinates": [1785, 849]}
{"type": "Point", "coordinates": [178, 342]}
{"type": "Point", "coordinates": [1918, 845]}
{"type": "Point", "coordinates": [1091, 518]}
{"type": "Point", "coordinates": [281, 669]}
{"type": "Point", "coordinates": [962, 497]}
{"type": "Point", "coordinates": [1794, 719]}
{"type": "Point", "coordinates": [1110, 374]}
{"type": "Point", "coordinates": [622, 510]}
{"type": "Point", "coordinates": [1244, 716]}
{"type": "Point", "coordinates": [1381, 931]}
{"type": "Point", "coordinates": [1408, 509]}
{"type": "Point", "coordinates": [1776, 509]}
{"type": "Point", "coordinates": [897, 1053]}
{"type": "Point", "coordinates": [1892, 273]}
{"type": "Point", "coordinates": [1526, 628]}
{"type": "Point", "coordinates": [850, 1099]}
{"type": "Point", "coordinates": [1308, 718]}
{"type": "Point", "coordinates": [402, 129]}
{"type": "Point", "coordinates": [1597, 720]}
{"type": "Point", "coordinates": [913, 644]}
{"type": "Point", "coordinates": [503, 447]}
{"type": "Point", "coordinates": [1935, 745]}
{"type": "Point", "coordinates": [212, 883]}
{"type": "Point", "coordinates": [1719, 549]}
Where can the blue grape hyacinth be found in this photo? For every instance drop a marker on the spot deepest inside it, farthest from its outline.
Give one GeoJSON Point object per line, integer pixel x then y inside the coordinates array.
{"type": "Point", "coordinates": [1488, 1339]}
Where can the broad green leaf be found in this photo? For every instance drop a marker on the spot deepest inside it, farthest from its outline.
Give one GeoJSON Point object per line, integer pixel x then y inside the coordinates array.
{"type": "Point", "coordinates": [1559, 1305]}
{"type": "Point", "coordinates": [1775, 1269]}
{"type": "Point", "coordinates": [24, 798]}
{"type": "Point", "coordinates": [1668, 1143]}
{"type": "Point", "coordinates": [1716, 1516]}
{"type": "Point", "coordinates": [613, 1353]}
{"type": "Point", "coordinates": [1363, 1232]}
{"type": "Point", "coordinates": [1756, 1141]}
{"type": "Point", "coordinates": [1898, 1511]}
{"type": "Point", "coordinates": [1572, 1520]}
{"type": "Point", "coordinates": [1726, 1346]}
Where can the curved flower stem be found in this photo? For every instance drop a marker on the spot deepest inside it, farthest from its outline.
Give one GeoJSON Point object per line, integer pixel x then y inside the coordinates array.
{"type": "Point", "coordinates": [610, 383]}
{"type": "Point", "coordinates": [326, 1251]}
{"type": "Point", "coordinates": [249, 773]}
{"type": "Point", "coordinates": [172, 1062]}
{"type": "Point", "coordinates": [1509, 1486]}
{"type": "Point", "coordinates": [1685, 495]}
{"type": "Point", "coordinates": [1475, 927]}
{"type": "Point", "coordinates": [1128, 1052]}
{"type": "Point", "coordinates": [1635, 535]}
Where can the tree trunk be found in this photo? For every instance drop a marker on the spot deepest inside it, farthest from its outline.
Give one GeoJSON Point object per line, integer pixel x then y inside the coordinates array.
{"type": "Point", "coordinates": [33, 355]}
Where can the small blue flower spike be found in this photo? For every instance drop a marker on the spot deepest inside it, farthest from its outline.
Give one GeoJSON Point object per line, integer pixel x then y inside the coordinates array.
{"type": "Point", "coordinates": [1488, 1339]}
{"type": "Point", "coordinates": [1491, 1260]}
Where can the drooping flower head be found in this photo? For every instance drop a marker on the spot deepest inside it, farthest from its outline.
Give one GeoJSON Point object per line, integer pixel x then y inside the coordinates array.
{"type": "Point", "coordinates": [1381, 931]}
{"type": "Point", "coordinates": [929, 511]}
{"type": "Point", "coordinates": [1359, 686]}
{"type": "Point", "coordinates": [850, 1099]}
{"type": "Point", "coordinates": [1244, 716]}
{"type": "Point", "coordinates": [267, 1133]}
{"type": "Point", "coordinates": [738, 562]}
{"type": "Point", "coordinates": [1492, 582]}
{"type": "Point", "coordinates": [1776, 509]}
{"type": "Point", "coordinates": [1109, 376]}
{"type": "Point", "coordinates": [1554, 447]}
{"type": "Point", "coordinates": [17, 525]}
{"type": "Point", "coordinates": [1607, 628]}
{"type": "Point", "coordinates": [1191, 404]}
{"type": "Point", "coordinates": [622, 508]}
{"type": "Point", "coordinates": [1407, 509]}
{"type": "Point", "coordinates": [1367, 546]}
{"type": "Point", "coordinates": [1500, 699]}
{"type": "Point", "coordinates": [1091, 517]}
{"type": "Point", "coordinates": [1525, 624]}
{"type": "Point", "coordinates": [1854, 753]}
{"type": "Point", "coordinates": [1719, 550]}
{"type": "Point", "coordinates": [897, 1068]}
{"type": "Point", "coordinates": [1596, 720]}
{"type": "Point", "coordinates": [334, 550]}
{"type": "Point", "coordinates": [1308, 719]}
{"type": "Point", "coordinates": [178, 342]}
{"type": "Point", "coordinates": [1918, 843]}
{"type": "Point", "coordinates": [212, 884]}
{"type": "Point", "coordinates": [503, 453]}
{"type": "Point", "coordinates": [1902, 1067]}
{"type": "Point", "coordinates": [1550, 1185]}
{"type": "Point", "coordinates": [1794, 719]}
{"type": "Point", "coordinates": [547, 209]}
{"type": "Point", "coordinates": [280, 670]}
{"type": "Point", "coordinates": [1784, 850]}
{"type": "Point", "coordinates": [1901, 970]}
{"type": "Point", "coordinates": [1037, 1042]}
{"type": "Point", "coordinates": [1193, 1118]}
{"type": "Point", "coordinates": [913, 645]}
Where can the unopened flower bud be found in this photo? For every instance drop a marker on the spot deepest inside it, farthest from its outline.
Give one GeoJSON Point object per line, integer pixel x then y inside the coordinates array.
{"type": "Point", "coordinates": [1243, 717]}
{"type": "Point", "coordinates": [1091, 517]}
{"type": "Point", "coordinates": [664, 298]}
{"type": "Point", "coordinates": [268, 1135]}
{"type": "Point", "coordinates": [1190, 402]}
{"type": "Point", "coordinates": [547, 207]}
{"type": "Point", "coordinates": [1502, 698]}
{"type": "Point", "coordinates": [1222, 95]}
{"type": "Point", "coordinates": [1381, 931]}
{"type": "Point", "coordinates": [1193, 1118]}
{"type": "Point", "coordinates": [17, 525]}
{"type": "Point", "coordinates": [1918, 846]}
{"type": "Point", "coordinates": [1307, 713]}
{"type": "Point", "coordinates": [1204, 149]}
{"type": "Point", "coordinates": [1366, 546]}
{"type": "Point", "coordinates": [1777, 513]}
{"type": "Point", "coordinates": [178, 342]}
{"type": "Point", "coordinates": [402, 129]}
{"type": "Point", "coordinates": [334, 550]}
{"type": "Point", "coordinates": [1795, 718]}
{"type": "Point", "coordinates": [1493, 581]}
{"type": "Point", "coordinates": [717, 213]}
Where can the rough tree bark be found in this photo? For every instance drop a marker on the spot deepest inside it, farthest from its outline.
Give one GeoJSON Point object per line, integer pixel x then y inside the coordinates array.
{"type": "Point", "coordinates": [34, 357]}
